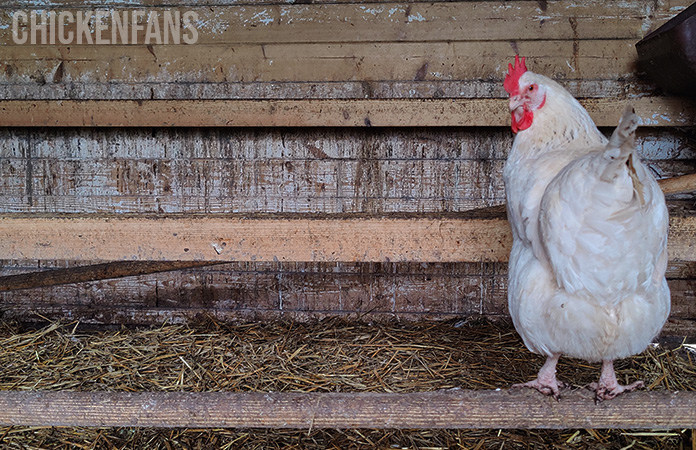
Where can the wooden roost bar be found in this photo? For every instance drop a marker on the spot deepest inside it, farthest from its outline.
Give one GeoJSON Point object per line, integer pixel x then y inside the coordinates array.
{"type": "Point", "coordinates": [301, 161]}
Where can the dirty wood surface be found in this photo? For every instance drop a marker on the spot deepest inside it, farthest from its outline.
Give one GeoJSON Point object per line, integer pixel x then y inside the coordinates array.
{"type": "Point", "coordinates": [350, 239]}
{"type": "Point", "coordinates": [419, 239]}
{"type": "Point", "coordinates": [376, 284]}
{"type": "Point", "coordinates": [659, 111]}
{"type": "Point", "coordinates": [266, 49]}
{"type": "Point", "coordinates": [298, 291]}
{"type": "Point", "coordinates": [427, 410]}
{"type": "Point", "coordinates": [94, 272]}
{"type": "Point", "coordinates": [375, 21]}
{"type": "Point", "coordinates": [271, 170]}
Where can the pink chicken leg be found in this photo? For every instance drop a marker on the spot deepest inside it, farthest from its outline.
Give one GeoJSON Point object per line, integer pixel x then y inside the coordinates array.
{"type": "Point", "coordinates": [546, 381]}
{"type": "Point", "coordinates": [608, 387]}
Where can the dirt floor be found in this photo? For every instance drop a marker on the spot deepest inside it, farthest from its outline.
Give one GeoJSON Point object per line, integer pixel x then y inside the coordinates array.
{"type": "Point", "coordinates": [322, 356]}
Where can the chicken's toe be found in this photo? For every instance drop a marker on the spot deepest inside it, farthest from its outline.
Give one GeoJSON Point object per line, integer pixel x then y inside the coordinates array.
{"type": "Point", "coordinates": [546, 381]}
{"type": "Point", "coordinates": [551, 388]}
{"type": "Point", "coordinates": [608, 387]}
{"type": "Point", "coordinates": [605, 392]}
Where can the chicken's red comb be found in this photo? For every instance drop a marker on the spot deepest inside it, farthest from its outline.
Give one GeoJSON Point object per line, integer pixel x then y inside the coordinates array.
{"type": "Point", "coordinates": [513, 76]}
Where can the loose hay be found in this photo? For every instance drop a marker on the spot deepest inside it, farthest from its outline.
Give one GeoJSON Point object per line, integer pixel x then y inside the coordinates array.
{"type": "Point", "coordinates": [326, 356]}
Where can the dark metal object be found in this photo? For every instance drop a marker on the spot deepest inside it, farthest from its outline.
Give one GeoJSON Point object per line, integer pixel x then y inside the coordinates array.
{"type": "Point", "coordinates": [668, 54]}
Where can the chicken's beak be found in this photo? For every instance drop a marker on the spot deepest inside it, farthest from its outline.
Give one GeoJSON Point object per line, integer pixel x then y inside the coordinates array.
{"type": "Point", "coordinates": [516, 101]}
{"type": "Point", "coordinates": [517, 106]}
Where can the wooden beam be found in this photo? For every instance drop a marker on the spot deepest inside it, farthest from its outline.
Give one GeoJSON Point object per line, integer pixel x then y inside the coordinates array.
{"type": "Point", "coordinates": [421, 410]}
{"type": "Point", "coordinates": [56, 308]}
{"type": "Point", "coordinates": [313, 62]}
{"type": "Point", "coordinates": [253, 239]}
{"type": "Point", "coordinates": [335, 21]}
{"type": "Point", "coordinates": [655, 111]}
{"type": "Point", "coordinates": [678, 185]}
{"type": "Point", "coordinates": [118, 269]}
{"type": "Point", "coordinates": [45, 278]}
{"type": "Point", "coordinates": [352, 239]}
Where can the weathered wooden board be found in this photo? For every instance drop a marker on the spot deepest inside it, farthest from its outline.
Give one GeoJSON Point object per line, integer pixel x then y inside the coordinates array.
{"type": "Point", "coordinates": [90, 273]}
{"type": "Point", "coordinates": [216, 238]}
{"type": "Point", "coordinates": [300, 291]}
{"type": "Point", "coordinates": [252, 90]}
{"type": "Point", "coordinates": [90, 4]}
{"type": "Point", "coordinates": [428, 410]}
{"type": "Point", "coordinates": [317, 62]}
{"type": "Point", "coordinates": [340, 50]}
{"type": "Point", "coordinates": [655, 111]}
{"type": "Point", "coordinates": [256, 290]}
{"type": "Point", "coordinates": [377, 170]}
{"type": "Point", "coordinates": [388, 144]}
{"type": "Point", "coordinates": [387, 22]}
{"type": "Point", "coordinates": [679, 185]}
{"type": "Point", "coordinates": [261, 239]}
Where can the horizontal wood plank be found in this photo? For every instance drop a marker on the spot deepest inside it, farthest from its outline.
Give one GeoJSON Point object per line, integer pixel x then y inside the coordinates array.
{"type": "Point", "coordinates": [658, 111]}
{"type": "Point", "coordinates": [110, 314]}
{"type": "Point", "coordinates": [674, 5]}
{"type": "Point", "coordinates": [316, 62]}
{"type": "Point", "coordinates": [406, 49]}
{"type": "Point", "coordinates": [276, 239]}
{"type": "Point", "coordinates": [425, 410]}
{"type": "Point", "coordinates": [272, 170]}
{"type": "Point", "coordinates": [268, 90]}
{"type": "Point", "coordinates": [92, 272]}
{"type": "Point", "coordinates": [305, 293]}
{"type": "Point", "coordinates": [235, 239]}
{"type": "Point", "coordinates": [391, 21]}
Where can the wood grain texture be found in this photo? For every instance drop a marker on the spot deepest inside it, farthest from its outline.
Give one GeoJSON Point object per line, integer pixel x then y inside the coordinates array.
{"type": "Point", "coordinates": [669, 186]}
{"type": "Point", "coordinates": [260, 90]}
{"type": "Point", "coordinates": [239, 239]}
{"type": "Point", "coordinates": [271, 170]}
{"type": "Point", "coordinates": [662, 111]}
{"type": "Point", "coordinates": [215, 238]}
{"type": "Point", "coordinates": [85, 4]}
{"type": "Point", "coordinates": [266, 49]}
{"type": "Point", "coordinates": [90, 273]}
{"type": "Point", "coordinates": [315, 62]}
{"type": "Point", "coordinates": [426, 410]}
{"type": "Point", "coordinates": [679, 185]}
{"type": "Point", "coordinates": [392, 21]}
{"type": "Point", "coordinates": [294, 291]}
{"type": "Point", "coordinates": [305, 293]}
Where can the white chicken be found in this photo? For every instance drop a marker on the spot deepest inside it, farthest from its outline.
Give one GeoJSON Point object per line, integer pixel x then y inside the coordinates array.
{"type": "Point", "coordinates": [589, 224]}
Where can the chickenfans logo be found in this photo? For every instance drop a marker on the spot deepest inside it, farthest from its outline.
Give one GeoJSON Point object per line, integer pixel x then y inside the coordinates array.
{"type": "Point", "coordinates": [103, 27]}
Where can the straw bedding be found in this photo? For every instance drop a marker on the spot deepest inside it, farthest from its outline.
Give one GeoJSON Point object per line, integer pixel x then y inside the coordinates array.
{"type": "Point", "coordinates": [320, 356]}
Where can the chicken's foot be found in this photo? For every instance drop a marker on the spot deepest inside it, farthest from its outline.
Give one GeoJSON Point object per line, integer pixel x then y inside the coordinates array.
{"type": "Point", "coordinates": [608, 387]}
{"type": "Point", "coordinates": [546, 381]}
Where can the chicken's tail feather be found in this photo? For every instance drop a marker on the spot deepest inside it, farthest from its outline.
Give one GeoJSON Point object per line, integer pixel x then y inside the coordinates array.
{"type": "Point", "coordinates": [624, 135]}
{"type": "Point", "coordinates": [621, 150]}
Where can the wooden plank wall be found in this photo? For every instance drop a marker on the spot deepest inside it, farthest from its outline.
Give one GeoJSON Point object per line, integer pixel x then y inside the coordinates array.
{"type": "Point", "coordinates": [267, 51]}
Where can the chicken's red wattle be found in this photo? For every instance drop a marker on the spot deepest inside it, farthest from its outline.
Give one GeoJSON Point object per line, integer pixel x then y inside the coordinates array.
{"type": "Point", "coordinates": [524, 123]}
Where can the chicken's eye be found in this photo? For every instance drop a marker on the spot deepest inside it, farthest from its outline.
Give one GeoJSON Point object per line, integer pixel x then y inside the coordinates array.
{"type": "Point", "coordinates": [532, 87]}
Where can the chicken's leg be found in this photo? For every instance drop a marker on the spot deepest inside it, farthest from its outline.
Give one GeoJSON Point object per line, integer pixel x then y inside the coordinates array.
{"type": "Point", "coordinates": [546, 381]}
{"type": "Point", "coordinates": [608, 387]}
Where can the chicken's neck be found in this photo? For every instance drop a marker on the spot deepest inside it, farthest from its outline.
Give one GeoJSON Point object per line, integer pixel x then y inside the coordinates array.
{"type": "Point", "coordinates": [558, 131]}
